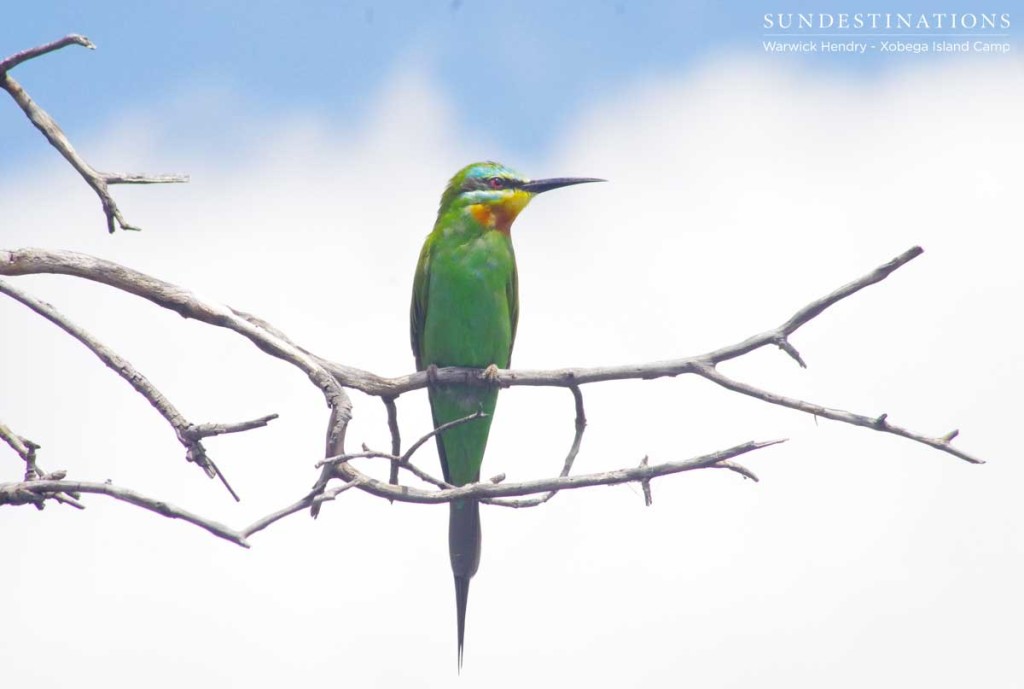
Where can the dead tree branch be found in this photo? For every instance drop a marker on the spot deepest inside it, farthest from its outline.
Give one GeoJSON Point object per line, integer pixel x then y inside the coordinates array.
{"type": "Point", "coordinates": [876, 423]}
{"type": "Point", "coordinates": [490, 490]}
{"type": "Point", "coordinates": [31, 491]}
{"type": "Point", "coordinates": [574, 449]}
{"type": "Point", "coordinates": [373, 384]}
{"type": "Point", "coordinates": [99, 181]}
{"type": "Point", "coordinates": [331, 378]}
{"type": "Point", "coordinates": [26, 449]}
{"type": "Point", "coordinates": [13, 61]}
{"type": "Point", "coordinates": [396, 436]}
{"type": "Point", "coordinates": [34, 261]}
{"type": "Point", "coordinates": [188, 434]}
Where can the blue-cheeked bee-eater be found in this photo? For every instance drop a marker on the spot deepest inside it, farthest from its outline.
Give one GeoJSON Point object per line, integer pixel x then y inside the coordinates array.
{"type": "Point", "coordinates": [465, 308]}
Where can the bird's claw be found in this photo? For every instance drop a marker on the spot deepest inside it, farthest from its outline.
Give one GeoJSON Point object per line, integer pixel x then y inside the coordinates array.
{"type": "Point", "coordinates": [490, 374]}
{"type": "Point", "coordinates": [431, 374]}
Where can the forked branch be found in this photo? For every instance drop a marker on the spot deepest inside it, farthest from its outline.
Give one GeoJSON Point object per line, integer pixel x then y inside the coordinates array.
{"type": "Point", "coordinates": [99, 181]}
{"type": "Point", "coordinates": [189, 435]}
{"type": "Point", "coordinates": [35, 491]}
{"type": "Point", "coordinates": [330, 377]}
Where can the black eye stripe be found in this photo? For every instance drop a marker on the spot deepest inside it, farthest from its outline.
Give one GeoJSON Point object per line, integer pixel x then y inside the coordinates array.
{"type": "Point", "coordinates": [492, 183]}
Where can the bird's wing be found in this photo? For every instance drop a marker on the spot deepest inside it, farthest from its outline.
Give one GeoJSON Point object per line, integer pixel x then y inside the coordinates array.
{"type": "Point", "coordinates": [512, 292]}
{"type": "Point", "coordinates": [418, 308]}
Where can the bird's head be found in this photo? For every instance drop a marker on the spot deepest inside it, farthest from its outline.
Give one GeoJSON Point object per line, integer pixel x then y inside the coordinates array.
{"type": "Point", "coordinates": [494, 194]}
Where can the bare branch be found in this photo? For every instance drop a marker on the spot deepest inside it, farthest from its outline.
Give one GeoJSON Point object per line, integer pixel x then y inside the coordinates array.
{"type": "Point", "coordinates": [397, 462]}
{"type": "Point", "coordinates": [169, 296]}
{"type": "Point", "coordinates": [373, 384]}
{"type": "Point", "coordinates": [329, 376]}
{"type": "Point", "coordinates": [187, 305]}
{"type": "Point", "coordinates": [99, 181]}
{"type": "Point", "coordinates": [30, 261]}
{"type": "Point", "coordinates": [311, 498]}
{"type": "Point", "coordinates": [34, 491]}
{"type": "Point", "coordinates": [581, 425]}
{"type": "Point", "coordinates": [818, 305]}
{"type": "Point", "coordinates": [367, 453]}
{"type": "Point", "coordinates": [646, 485]}
{"type": "Point", "coordinates": [396, 437]}
{"type": "Point", "coordinates": [785, 345]}
{"type": "Point", "coordinates": [187, 433]}
{"type": "Point", "coordinates": [404, 462]}
{"type": "Point", "coordinates": [72, 39]}
{"type": "Point", "coordinates": [337, 426]}
{"type": "Point", "coordinates": [608, 478]}
{"type": "Point", "coordinates": [26, 449]}
{"type": "Point", "coordinates": [20, 493]}
{"type": "Point", "coordinates": [738, 468]}
{"type": "Point", "coordinates": [183, 302]}
{"type": "Point", "coordinates": [437, 431]}
{"type": "Point", "coordinates": [876, 423]}
{"type": "Point", "coordinates": [135, 178]}
{"type": "Point", "coordinates": [206, 430]}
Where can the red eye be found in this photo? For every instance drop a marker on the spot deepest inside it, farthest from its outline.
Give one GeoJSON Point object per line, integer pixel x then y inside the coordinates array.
{"type": "Point", "coordinates": [496, 182]}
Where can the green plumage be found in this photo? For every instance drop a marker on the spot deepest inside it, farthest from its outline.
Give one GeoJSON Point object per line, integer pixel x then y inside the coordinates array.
{"type": "Point", "coordinates": [465, 308]}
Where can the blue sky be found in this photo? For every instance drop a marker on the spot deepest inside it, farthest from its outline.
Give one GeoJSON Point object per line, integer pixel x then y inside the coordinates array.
{"type": "Point", "coordinates": [517, 72]}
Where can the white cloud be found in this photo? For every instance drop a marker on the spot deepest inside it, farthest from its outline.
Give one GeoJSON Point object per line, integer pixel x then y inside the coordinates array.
{"type": "Point", "coordinates": [738, 193]}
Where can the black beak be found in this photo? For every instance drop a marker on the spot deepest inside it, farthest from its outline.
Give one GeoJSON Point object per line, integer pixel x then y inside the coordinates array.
{"type": "Point", "coordinates": [538, 186]}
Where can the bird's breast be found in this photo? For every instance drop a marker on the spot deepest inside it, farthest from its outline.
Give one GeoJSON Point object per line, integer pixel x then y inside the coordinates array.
{"type": "Point", "coordinates": [468, 322]}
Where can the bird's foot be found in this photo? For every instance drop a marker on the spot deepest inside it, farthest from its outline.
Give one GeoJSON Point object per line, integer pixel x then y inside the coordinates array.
{"type": "Point", "coordinates": [490, 374]}
{"type": "Point", "coordinates": [431, 374]}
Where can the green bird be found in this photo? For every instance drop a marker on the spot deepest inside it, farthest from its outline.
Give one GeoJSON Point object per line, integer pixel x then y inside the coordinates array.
{"type": "Point", "coordinates": [465, 308]}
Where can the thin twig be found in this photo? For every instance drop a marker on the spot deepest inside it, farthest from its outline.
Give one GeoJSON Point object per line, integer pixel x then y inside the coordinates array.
{"type": "Point", "coordinates": [646, 485]}
{"type": "Point", "coordinates": [26, 449]}
{"type": "Point", "coordinates": [310, 499]}
{"type": "Point", "coordinates": [207, 430]}
{"type": "Point", "coordinates": [375, 454]}
{"type": "Point", "coordinates": [16, 493]}
{"type": "Point", "coordinates": [188, 434]}
{"type": "Point", "coordinates": [337, 427]}
{"type": "Point", "coordinates": [71, 39]}
{"type": "Point", "coordinates": [403, 462]}
{"type": "Point", "coordinates": [876, 423]}
{"type": "Point", "coordinates": [488, 491]}
{"type": "Point", "coordinates": [437, 431]}
{"type": "Point", "coordinates": [738, 468]}
{"type": "Point", "coordinates": [580, 425]}
{"type": "Point", "coordinates": [184, 303]}
{"type": "Point", "coordinates": [607, 478]}
{"type": "Point", "coordinates": [396, 437]}
{"type": "Point", "coordinates": [99, 181]}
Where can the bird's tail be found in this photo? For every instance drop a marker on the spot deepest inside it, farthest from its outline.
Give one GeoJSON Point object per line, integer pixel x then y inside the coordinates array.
{"type": "Point", "coordinates": [464, 549]}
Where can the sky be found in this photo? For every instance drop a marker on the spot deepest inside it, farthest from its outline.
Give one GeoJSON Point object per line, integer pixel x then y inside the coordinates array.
{"type": "Point", "coordinates": [743, 184]}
